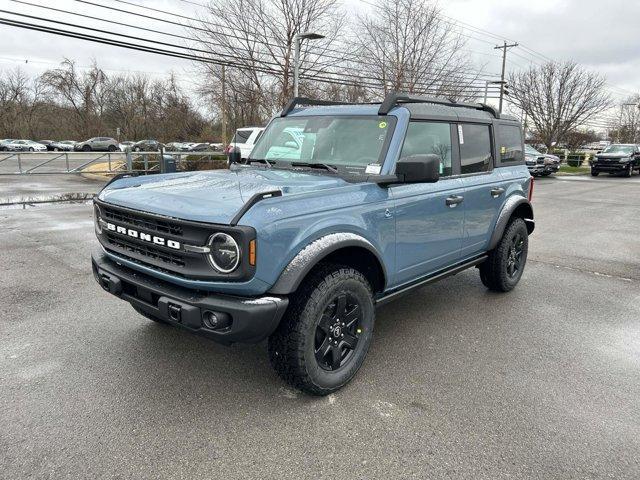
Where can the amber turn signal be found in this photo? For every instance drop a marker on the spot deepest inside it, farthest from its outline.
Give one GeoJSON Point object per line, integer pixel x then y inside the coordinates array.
{"type": "Point", "coordinates": [252, 252]}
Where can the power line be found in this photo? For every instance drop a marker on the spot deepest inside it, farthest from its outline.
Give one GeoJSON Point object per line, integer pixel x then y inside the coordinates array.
{"type": "Point", "coordinates": [458, 82]}
{"type": "Point", "coordinates": [171, 53]}
{"type": "Point", "coordinates": [478, 74]}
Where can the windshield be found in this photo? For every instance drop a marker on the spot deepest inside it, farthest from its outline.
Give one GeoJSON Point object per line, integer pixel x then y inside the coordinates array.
{"type": "Point", "coordinates": [625, 149]}
{"type": "Point", "coordinates": [530, 150]}
{"type": "Point", "coordinates": [339, 141]}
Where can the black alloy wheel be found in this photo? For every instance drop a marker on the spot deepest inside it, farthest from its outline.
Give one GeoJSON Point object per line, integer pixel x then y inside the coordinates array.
{"type": "Point", "coordinates": [515, 252]}
{"type": "Point", "coordinates": [338, 332]}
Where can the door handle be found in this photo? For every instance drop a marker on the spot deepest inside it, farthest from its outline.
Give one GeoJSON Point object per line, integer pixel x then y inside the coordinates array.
{"type": "Point", "coordinates": [496, 192]}
{"type": "Point", "coordinates": [453, 201]}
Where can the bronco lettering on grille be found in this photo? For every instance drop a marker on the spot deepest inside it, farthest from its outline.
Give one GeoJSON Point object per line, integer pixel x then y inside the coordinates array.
{"type": "Point", "coordinates": [144, 236]}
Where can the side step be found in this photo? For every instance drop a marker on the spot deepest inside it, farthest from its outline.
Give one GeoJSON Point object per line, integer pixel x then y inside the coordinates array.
{"type": "Point", "coordinates": [430, 279]}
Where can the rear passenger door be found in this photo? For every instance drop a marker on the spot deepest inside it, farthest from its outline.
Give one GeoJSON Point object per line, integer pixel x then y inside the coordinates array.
{"type": "Point", "coordinates": [483, 189]}
{"type": "Point", "coordinates": [428, 227]}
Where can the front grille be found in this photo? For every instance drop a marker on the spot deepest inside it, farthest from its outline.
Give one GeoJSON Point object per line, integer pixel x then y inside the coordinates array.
{"type": "Point", "coordinates": [147, 251]}
{"type": "Point", "coordinates": [153, 224]}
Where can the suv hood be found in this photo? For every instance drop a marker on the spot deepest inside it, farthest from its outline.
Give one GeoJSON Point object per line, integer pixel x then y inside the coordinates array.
{"type": "Point", "coordinates": [213, 196]}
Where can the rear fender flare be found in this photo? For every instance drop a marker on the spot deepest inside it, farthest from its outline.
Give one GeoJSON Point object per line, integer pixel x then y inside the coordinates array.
{"type": "Point", "coordinates": [511, 205]}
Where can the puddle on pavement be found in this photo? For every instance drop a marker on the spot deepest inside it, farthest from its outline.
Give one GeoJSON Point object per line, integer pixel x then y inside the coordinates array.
{"type": "Point", "coordinates": [23, 203]}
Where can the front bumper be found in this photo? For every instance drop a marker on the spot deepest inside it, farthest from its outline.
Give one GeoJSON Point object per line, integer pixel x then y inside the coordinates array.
{"type": "Point", "coordinates": [252, 318]}
{"type": "Point", "coordinates": [551, 167]}
{"type": "Point", "coordinates": [610, 167]}
{"type": "Point", "coordinates": [536, 169]}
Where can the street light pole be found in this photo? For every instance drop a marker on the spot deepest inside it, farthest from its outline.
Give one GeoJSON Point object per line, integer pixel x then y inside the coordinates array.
{"type": "Point", "coordinates": [296, 56]}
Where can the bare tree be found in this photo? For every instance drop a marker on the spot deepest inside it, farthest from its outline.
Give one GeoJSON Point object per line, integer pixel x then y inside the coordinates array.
{"type": "Point", "coordinates": [627, 128]}
{"type": "Point", "coordinates": [255, 39]}
{"type": "Point", "coordinates": [558, 98]}
{"type": "Point", "coordinates": [65, 103]}
{"type": "Point", "coordinates": [83, 91]}
{"type": "Point", "coordinates": [408, 46]}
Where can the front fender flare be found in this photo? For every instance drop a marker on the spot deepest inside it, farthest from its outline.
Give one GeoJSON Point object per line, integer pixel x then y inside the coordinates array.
{"type": "Point", "coordinates": [314, 252]}
{"type": "Point", "coordinates": [510, 206]}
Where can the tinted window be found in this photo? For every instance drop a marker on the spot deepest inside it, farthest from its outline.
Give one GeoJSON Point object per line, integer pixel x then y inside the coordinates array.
{"type": "Point", "coordinates": [425, 138]}
{"type": "Point", "coordinates": [475, 148]}
{"type": "Point", "coordinates": [509, 140]}
{"type": "Point", "coordinates": [241, 136]}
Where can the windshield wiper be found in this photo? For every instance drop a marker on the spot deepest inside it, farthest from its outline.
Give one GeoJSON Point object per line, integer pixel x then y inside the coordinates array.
{"type": "Point", "coordinates": [268, 163]}
{"type": "Point", "coordinates": [330, 168]}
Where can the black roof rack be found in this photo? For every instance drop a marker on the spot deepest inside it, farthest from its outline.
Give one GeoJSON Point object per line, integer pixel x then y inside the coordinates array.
{"type": "Point", "coordinates": [394, 98]}
{"type": "Point", "coordinates": [390, 100]}
{"type": "Point", "coordinates": [294, 102]}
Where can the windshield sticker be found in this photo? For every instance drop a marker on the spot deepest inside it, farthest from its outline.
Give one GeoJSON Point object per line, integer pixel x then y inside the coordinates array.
{"type": "Point", "coordinates": [460, 135]}
{"type": "Point", "coordinates": [373, 168]}
{"type": "Point", "coordinates": [382, 125]}
{"type": "Point", "coordinates": [503, 150]}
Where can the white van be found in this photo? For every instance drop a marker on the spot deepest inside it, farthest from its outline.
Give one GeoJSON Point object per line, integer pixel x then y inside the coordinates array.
{"type": "Point", "coordinates": [244, 139]}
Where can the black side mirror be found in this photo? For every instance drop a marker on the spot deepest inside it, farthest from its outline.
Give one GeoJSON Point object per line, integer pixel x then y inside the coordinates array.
{"type": "Point", "coordinates": [419, 169]}
{"type": "Point", "coordinates": [234, 156]}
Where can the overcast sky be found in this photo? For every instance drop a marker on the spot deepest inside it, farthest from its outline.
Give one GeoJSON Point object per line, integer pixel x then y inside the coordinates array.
{"type": "Point", "coordinates": [603, 36]}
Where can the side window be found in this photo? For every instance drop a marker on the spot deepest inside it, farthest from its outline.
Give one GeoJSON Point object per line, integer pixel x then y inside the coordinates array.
{"type": "Point", "coordinates": [241, 136]}
{"type": "Point", "coordinates": [509, 140]}
{"type": "Point", "coordinates": [475, 148]}
{"type": "Point", "coordinates": [425, 138]}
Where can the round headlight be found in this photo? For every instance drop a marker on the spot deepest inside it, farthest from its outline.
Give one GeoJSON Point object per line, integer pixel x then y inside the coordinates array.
{"type": "Point", "coordinates": [97, 217]}
{"type": "Point", "coordinates": [225, 253]}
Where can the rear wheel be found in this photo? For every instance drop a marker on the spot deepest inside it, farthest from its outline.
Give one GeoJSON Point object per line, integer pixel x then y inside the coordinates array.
{"type": "Point", "coordinates": [112, 148]}
{"type": "Point", "coordinates": [325, 334]}
{"type": "Point", "coordinates": [502, 271]}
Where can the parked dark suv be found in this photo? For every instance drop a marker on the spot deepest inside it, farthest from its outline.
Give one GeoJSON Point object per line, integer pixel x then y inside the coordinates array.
{"type": "Point", "coordinates": [302, 242]}
{"type": "Point", "coordinates": [616, 158]}
{"type": "Point", "coordinates": [146, 146]}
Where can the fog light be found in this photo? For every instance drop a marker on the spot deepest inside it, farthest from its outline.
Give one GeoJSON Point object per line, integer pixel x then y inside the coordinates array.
{"type": "Point", "coordinates": [216, 320]}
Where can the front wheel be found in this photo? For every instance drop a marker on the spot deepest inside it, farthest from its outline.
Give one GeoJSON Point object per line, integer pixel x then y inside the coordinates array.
{"type": "Point", "coordinates": [502, 271]}
{"type": "Point", "coordinates": [325, 334]}
{"type": "Point", "coordinates": [594, 173]}
{"type": "Point", "coordinates": [31, 149]}
{"type": "Point", "coordinates": [86, 148]}
{"type": "Point", "coordinates": [629, 172]}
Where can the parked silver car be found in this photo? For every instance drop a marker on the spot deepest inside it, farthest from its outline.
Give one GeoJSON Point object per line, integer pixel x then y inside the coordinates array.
{"type": "Point", "coordinates": [542, 164]}
{"type": "Point", "coordinates": [104, 144]}
{"type": "Point", "coordinates": [25, 146]}
{"type": "Point", "coordinates": [63, 146]}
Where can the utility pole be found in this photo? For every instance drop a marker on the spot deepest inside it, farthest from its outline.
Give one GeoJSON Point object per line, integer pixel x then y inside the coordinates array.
{"type": "Point", "coordinates": [223, 106]}
{"type": "Point", "coordinates": [296, 55]}
{"type": "Point", "coordinates": [503, 47]}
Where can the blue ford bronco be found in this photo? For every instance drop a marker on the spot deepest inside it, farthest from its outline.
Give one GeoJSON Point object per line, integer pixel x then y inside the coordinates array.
{"type": "Point", "coordinates": [339, 209]}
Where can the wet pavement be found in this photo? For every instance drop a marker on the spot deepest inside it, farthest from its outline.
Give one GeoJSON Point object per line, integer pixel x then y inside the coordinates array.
{"type": "Point", "coordinates": [459, 383]}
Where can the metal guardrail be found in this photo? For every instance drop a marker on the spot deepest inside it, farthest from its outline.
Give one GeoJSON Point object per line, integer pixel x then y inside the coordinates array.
{"type": "Point", "coordinates": [103, 163]}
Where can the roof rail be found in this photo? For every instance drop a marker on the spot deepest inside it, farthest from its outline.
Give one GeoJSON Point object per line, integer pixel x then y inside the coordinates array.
{"type": "Point", "coordinates": [394, 98]}
{"type": "Point", "coordinates": [294, 102]}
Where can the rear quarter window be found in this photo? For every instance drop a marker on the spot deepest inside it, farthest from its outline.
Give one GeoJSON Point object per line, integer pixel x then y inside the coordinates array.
{"type": "Point", "coordinates": [509, 144]}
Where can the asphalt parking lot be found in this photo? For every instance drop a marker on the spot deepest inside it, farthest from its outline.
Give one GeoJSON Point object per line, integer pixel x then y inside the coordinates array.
{"type": "Point", "coordinates": [460, 383]}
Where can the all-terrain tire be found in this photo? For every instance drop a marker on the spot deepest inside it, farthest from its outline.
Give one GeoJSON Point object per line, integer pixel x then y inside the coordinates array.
{"type": "Point", "coordinates": [295, 345]}
{"type": "Point", "coordinates": [148, 315]}
{"type": "Point", "coordinates": [496, 273]}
